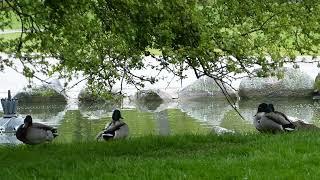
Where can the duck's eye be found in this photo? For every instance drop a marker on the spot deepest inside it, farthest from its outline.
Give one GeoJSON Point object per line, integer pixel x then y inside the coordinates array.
{"type": "Point", "coordinates": [258, 121]}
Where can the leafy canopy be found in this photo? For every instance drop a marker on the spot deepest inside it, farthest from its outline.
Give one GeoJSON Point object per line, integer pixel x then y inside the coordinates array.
{"type": "Point", "coordinates": [107, 40]}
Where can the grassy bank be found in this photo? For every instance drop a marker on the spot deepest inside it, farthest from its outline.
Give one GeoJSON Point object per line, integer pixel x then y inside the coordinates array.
{"type": "Point", "coordinates": [253, 156]}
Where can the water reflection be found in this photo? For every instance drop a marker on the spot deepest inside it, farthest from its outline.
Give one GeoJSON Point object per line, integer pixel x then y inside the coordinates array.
{"type": "Point", "coordinates": [163, 122]}
{"type": "Point", "coordinates": [46, 113]}
{"type": "Point", "coordinates": [216, 114]}
{"type": "Point", "coordinates": [75, 127]}
{"type": "Point", "coordinates": [300, 108]}
{"type": "Point", "coordinates": [316, 114]}
{"type": "Point", "coordinates": [9, 138]}
{"type": "Point", "coordinates": [197, 116]}
{"type": "Point", "coordinates": [94, 111]}
{"type": "Point", "coordinates": [156, 106]}
{"type": "Point", "coordinates": [206, 110]}
{"type": "Point", "coordinates": [148, 106]}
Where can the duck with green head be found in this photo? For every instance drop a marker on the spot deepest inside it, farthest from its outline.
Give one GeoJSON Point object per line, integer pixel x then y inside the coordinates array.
{"type": "Point", "coordinates": [269, 120]}
{"type": "Point", "coordinates": [116, 129]}
{"type": "Point", "coordinates": [35, 133]}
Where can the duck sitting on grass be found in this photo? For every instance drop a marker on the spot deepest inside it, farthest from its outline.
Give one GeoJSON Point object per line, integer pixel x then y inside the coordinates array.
{"type": "Point", "coordinates": [116, 129]}
{"type": "Point", "coordinates": [35, 133]}
{"type": "Point", "coordinates": [268, 120]}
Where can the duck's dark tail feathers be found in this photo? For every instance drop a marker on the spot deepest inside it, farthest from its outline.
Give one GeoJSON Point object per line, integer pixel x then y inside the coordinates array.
{"type": "Point", "coordinates": [289, 127]}
{"type": "Point", "coordinates": [55, 134]}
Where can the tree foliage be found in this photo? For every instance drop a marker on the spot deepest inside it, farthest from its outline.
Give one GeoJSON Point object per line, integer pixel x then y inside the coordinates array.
{"type": "Point", "coordinates": [107, 40]}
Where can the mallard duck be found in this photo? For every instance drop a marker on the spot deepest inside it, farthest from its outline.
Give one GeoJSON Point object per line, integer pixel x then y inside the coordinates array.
{"type": "Point", "coordinates": [268, 120]}
{"type": "Point", "coordinates": [35, 133]}
{"type": "Point", "coordinates": [271, 107]}
{"type": "Point", "coordinates": [116, 129]}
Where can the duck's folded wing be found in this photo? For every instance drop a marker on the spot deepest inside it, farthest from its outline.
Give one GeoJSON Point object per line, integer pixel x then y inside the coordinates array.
{"type": "Point", "coordinates": [284, 116]}
{"type": "Point", "coordinates": [277, 118]}
{"type": "Point", "coordinates": [114, 128]}
{"type": "Point", "coordinates": [42, 126]}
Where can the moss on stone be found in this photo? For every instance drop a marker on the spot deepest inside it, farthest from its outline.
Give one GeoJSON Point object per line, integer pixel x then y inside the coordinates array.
{"type": "Point", "coordinates": [90, 98]}
{"type": "Point", "coordinates": [40, 95]}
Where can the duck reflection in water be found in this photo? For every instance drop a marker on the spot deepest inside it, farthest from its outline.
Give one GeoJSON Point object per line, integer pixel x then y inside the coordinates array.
{"type": "Point", "coordinates": [116, 129]}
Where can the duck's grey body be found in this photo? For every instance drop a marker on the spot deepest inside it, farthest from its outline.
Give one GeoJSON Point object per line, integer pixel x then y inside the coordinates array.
{"type": "Point", "coordinates": [35, 133]}
{"type": "Point", "coordinates": [115, 133]}
{"type": "Point", "coordinates": [38, 136]}
{"type": "Point", "coordinates": [117, 129]}
{"type": "Point", "coordinates": [122, 132]}
{"type": "Point", "coordinates": [267, 121]}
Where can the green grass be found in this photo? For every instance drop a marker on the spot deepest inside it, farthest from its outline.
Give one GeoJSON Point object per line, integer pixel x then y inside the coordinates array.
{"type": "Point", "coordinates": [252, 156]}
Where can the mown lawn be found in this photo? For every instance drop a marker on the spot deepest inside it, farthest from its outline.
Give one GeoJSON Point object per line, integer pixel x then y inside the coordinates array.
{"type": "Point", "coordinates": [252, 156]}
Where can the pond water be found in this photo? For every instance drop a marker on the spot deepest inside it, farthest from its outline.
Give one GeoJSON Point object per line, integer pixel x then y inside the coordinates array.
{"type": "Point", "coordinates": [81, 123]}
{"type": "Point", "coordinates": [199, 117]}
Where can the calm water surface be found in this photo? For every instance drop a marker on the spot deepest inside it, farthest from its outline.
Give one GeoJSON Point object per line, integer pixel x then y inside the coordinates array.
{"type": "Point", "coordinates": [82, 123]}
{"type": "Point", "coordinates": [199, 117]}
